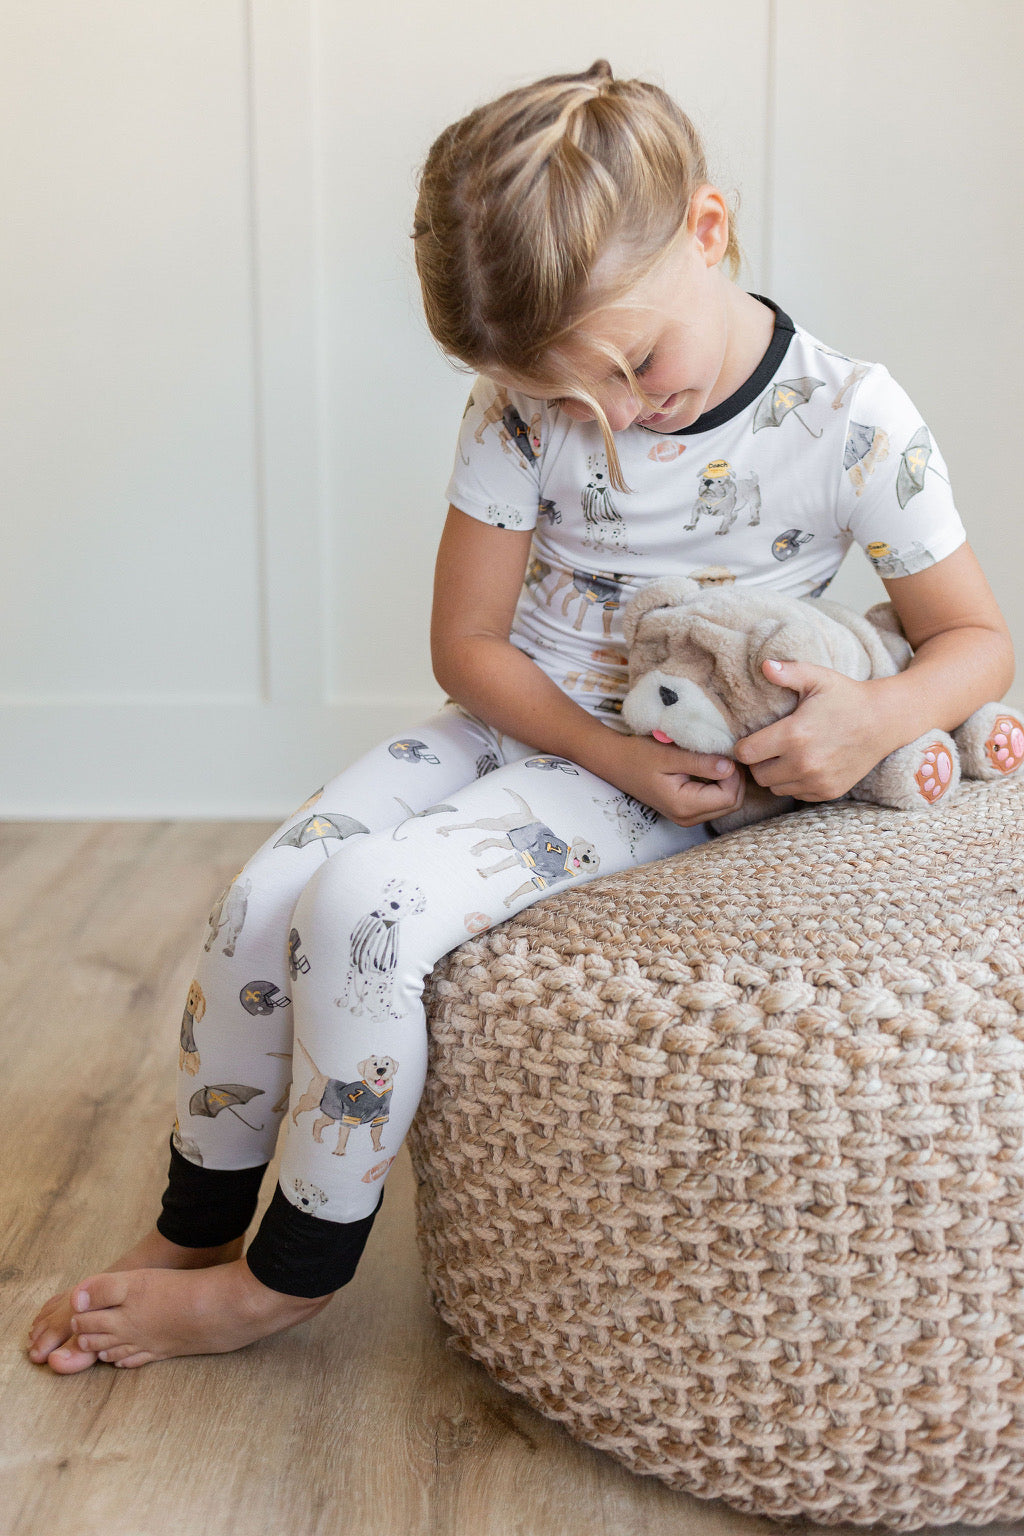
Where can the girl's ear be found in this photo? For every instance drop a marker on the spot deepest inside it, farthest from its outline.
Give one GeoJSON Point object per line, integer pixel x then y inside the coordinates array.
{"type": "Point", "coordinates": [708, 220]}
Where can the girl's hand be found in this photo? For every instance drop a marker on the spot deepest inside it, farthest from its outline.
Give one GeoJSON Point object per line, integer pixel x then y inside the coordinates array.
{"type": "Point", "coordinates": [685, 787]}
{"type": "Point", "coordinates": [829, 742]}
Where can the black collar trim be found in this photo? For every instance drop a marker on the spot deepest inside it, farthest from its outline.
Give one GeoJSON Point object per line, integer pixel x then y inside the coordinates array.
{"type": "Point", "coordinates": [758, 381]}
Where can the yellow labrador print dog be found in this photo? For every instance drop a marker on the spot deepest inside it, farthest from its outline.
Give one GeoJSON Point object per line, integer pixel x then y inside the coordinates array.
{"type": "Point", "coordinates": [366, 1101]}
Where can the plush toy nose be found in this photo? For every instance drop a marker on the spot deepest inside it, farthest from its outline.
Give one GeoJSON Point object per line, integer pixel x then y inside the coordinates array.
{"type": "Point", "coordinates": [667, 696]}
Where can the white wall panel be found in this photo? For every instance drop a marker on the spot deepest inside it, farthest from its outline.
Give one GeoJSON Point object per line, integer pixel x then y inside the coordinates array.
{"type": "Point", "coordinates": [127, 319]}
{"type": "Point", "coordinates": [227, 432]}
{"type": "Point", "coordinates": [899, 229]}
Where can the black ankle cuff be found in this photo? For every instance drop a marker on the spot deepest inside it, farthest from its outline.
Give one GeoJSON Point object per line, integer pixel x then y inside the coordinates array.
{"type": "Point", "coordinates": [204, 1207]}
{"type": "Point", "coordinates": [304, 1255]}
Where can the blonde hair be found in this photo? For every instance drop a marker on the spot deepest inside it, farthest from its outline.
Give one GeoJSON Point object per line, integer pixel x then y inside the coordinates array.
{"type": "Point", "coordinates": [518, 202]}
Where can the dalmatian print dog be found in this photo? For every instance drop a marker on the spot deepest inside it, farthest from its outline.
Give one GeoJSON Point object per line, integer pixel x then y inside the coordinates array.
{"type": "Point", "coordinates": [308, 1197]}
{"type": "Point", "coordinates": [603, 523]}
{"type": "Point", "coordinates": [549, 858]}
{"type": "Point", "coordinates": [373, 951]}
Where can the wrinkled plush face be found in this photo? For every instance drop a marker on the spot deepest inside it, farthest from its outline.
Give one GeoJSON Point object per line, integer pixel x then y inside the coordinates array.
{"type": "Point", "coordinates": [697, 681]}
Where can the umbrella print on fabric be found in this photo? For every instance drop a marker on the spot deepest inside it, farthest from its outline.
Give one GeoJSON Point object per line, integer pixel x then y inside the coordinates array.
{"type": "Point", "coordinates": [211, 1100]}
{"type": "Point", "coordinates": [319, 829]}
{"type": "Point", "coordinates": [783, 398]}
{"type": "Point", "coordinates": [914, 466]}
{"type": "Point", "coordinates": [858, 444]}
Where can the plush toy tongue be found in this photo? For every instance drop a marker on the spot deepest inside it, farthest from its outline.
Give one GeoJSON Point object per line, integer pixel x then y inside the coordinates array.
{"type": "Point", "coordinates": [660, 736]}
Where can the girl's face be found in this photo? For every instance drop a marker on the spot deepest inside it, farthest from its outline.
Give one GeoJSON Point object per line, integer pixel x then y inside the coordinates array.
{"type": "Point", "coordinates": [673, 328]}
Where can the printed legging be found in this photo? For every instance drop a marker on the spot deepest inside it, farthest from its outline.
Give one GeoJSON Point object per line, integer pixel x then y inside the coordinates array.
{"type": "Point", "coordinates": [313, 967]}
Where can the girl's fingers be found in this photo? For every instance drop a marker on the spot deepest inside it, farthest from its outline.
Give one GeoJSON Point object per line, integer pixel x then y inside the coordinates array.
{"type": "Point", "coordinates": [702, 801]}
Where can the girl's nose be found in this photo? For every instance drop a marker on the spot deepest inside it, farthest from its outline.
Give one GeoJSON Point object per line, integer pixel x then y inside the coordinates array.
{"type": "Point", "coordinates": [622, 411]}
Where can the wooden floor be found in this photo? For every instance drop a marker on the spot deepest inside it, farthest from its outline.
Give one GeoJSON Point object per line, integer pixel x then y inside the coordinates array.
{"type": "Point", "coordinates": [358, 1424]}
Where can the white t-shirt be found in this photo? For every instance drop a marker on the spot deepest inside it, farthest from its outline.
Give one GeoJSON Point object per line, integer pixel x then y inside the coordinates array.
{"type": "Point", "coordinates": [815, 452]}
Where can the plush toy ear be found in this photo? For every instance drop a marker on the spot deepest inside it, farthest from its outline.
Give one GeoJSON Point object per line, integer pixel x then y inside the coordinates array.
{"type": "Point", "coordinates": [671, 592]}
{"type": "Point", "coordinates": [817, 638]}
{"type": "Point", "coordinates": [794, 639]}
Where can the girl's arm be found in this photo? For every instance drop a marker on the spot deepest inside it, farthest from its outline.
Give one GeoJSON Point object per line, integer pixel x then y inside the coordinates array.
{"type": "Point", "coordinates": [963, 657]}
{"type": "Point", "coordinates": [477, 582]}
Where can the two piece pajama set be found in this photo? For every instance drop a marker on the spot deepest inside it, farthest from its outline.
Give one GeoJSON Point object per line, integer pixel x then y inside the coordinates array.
{"type": "Point", "coordinates": [305, 1009]}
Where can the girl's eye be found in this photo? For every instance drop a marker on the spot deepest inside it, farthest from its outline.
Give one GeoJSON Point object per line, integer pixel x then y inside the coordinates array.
{"type": "Point", "coordinates": [641, 368]}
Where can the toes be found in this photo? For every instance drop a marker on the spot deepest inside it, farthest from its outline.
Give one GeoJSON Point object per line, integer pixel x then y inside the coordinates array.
{"type": "Point", "coordinates": [50, 1326]}
{"type": "Point", "coordinates": [140, 1359]}
{"type": "Point", "coordinates": [47, 1312]}
{"type": "Point", "coordinates": [69, 1359]}
{"type": "Point", "coordinates": [45, 1337]}
{"type": "Point", "coordinates": [99, 1325]}
{"type": "Point", "coordinates": [45, 1343]}
{"type": "Point", "coordinates": [100, 1291]}
{"type": "Point", "coordinates": [118, 1353]}
{"type": "Point", "coordinates": [93, 1343]}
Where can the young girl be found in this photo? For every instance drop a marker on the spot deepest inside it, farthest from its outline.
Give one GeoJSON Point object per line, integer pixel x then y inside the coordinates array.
{"type": "Point", "coordinates": [637, 415]}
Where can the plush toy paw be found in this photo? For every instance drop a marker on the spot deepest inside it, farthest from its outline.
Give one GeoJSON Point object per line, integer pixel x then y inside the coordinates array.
{"type": "Point", "coordinates": [915, 777]}
{"type": "Point", "coordinates": [935, 772]}
{"type": "Point", "coordinates": [991, 742]}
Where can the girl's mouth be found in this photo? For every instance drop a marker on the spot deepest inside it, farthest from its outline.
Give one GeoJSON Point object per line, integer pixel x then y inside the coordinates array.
{"type": "Point", "coordinates": [667, 408]}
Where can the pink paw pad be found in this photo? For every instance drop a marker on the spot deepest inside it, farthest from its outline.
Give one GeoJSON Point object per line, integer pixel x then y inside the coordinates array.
{"type": "Point", "coordinates": [1005, 747]}
{"type": "Point", "coordinates": [935, 773]}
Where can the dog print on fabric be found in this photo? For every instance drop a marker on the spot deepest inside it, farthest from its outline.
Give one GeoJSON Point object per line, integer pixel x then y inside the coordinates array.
{"type": "Point", "coordinates": [589, 589]}
{"type": "Point", "coordinates": [195, 1007]}
{"type": "Point", "coordinates": [308, 1197]}
{"type": "Point", "coordinates": [604, 527]}
{"type": "Point", "coordinates": [549, 858]}
{"type": "Point", "coordinates": [513, 432]}
{"type": "Point", "coordinates": [186, 1145]}
{"type": "Point", "coordinates": [722, 494]}
{"type": "Point", "coordinates": [365, 1101]}
{"type": "Point", "coordinates": [229, 914]}
{"type": "Point", "coordinates": [373, 951]}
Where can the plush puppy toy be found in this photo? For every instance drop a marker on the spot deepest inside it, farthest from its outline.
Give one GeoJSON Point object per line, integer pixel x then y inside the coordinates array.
{"type": "Point", "coordinates": [695, 675]}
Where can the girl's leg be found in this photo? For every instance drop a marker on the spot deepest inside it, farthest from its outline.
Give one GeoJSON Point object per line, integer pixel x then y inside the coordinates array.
{"type": "Point", "coordinates": [236, 1032]}
{"type": "Point", "coordinates": [232, 1097]}
{"type": "Point", "coordinates": [235, 1041]}
{"type": "Point", "coordinates": [373, 921]}
{"type": "Point", "coordinates": [372, 927]}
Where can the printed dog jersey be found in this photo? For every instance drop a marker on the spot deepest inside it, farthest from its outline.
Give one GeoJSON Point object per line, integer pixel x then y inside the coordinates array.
{"type": "Point", "coordinates": [815, 452]}
{"type": "Point", "coordinates": [356, 1103]}
{"type": "Point", "coordinates": [544, 854]}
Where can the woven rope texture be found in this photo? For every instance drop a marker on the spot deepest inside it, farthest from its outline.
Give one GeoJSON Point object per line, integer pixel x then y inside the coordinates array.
{"type": "Point", "coordinates": [721, 1163]}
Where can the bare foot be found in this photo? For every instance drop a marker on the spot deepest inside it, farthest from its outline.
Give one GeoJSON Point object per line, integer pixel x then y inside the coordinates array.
{"type": "Point", "coordinates": [135, 1316]}
{"type": "Point", "coordinates": [51, 1338]}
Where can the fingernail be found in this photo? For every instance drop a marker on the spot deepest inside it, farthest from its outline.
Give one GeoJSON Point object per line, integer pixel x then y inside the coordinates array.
{"type": "Point", "coordinates": [80, 1302]}
{"type": "Point", "coordinates": [776, 666]}
{"type": "Point", "coordinates": [723, 765]}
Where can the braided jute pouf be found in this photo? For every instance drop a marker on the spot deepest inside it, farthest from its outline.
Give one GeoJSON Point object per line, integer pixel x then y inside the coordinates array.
{"type": "Point", "coordinates": [721, 1163]}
